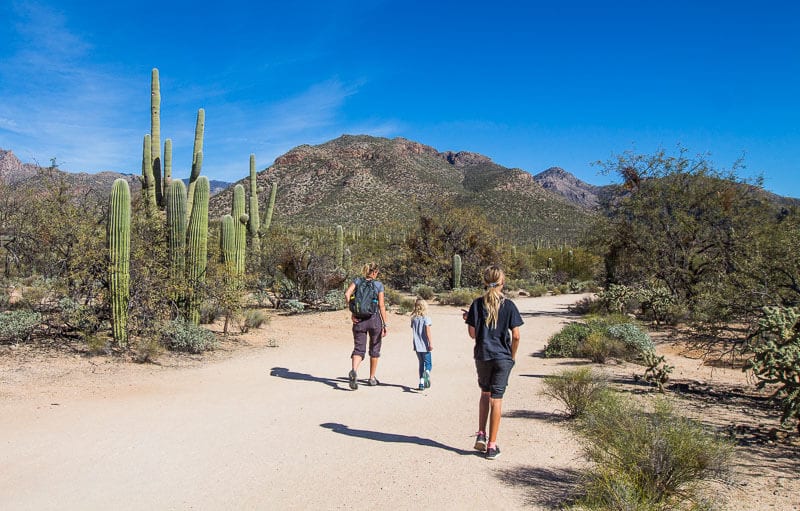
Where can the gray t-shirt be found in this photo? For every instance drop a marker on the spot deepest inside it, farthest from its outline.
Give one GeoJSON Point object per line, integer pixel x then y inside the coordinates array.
{"type": "Point", "coordinates": [421, 341]}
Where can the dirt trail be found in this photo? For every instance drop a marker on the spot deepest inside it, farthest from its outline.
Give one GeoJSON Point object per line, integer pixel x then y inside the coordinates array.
{"type": "Point", "coordinates": [278, 427]}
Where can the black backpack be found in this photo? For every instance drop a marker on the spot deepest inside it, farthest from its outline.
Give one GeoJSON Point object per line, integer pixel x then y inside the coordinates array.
{"type": "Point", "coordinates": [364, 300]}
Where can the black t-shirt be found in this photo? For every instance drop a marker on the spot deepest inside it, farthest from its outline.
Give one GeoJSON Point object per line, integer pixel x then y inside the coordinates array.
{"type": "Point", "coordinates": [493, 343]}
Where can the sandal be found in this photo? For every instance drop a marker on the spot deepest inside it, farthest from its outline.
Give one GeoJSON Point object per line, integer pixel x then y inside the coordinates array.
{"type": "Point", "coordinates": [352, 377]}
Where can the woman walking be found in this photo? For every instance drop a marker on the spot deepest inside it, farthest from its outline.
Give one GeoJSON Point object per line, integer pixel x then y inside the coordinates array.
{"type": "Point", "coordinates": [366, 296]}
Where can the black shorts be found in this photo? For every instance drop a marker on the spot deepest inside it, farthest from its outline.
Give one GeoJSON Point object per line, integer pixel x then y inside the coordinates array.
{"type": "Point", "coordinates": [493, 376]}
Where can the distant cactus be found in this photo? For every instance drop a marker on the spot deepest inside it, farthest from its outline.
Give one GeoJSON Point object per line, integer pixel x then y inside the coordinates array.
{"type": "Point", "coordinates": [270, 207]}
{"type": "Point", "coordinates": [253, 222]}
{"type": "Point", "coordinates": [456, 271]}
{"type": "Point", "coordinates": [347, 264]}
{"type": "Point", "coordinates": [176, 228]}
{"type": "Point", "coordinates": [339, 246]}
{"type": "Point", "coordinates": [119, 250]}
{"type": "Point", "coordinates": [197, 155]}
{"type": "Point", "coordinates": [240, 218]}
{"type": "Point", "coordinates": [197, 247]}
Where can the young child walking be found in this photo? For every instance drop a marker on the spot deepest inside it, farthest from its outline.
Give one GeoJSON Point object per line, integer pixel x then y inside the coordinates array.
{"type": "Point", "coordinates": [421, 332]}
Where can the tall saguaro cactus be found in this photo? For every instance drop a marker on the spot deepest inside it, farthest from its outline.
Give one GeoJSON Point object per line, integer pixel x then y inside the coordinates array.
{"type": "Point", "coordinates": [253, 222]}
{"type": "Point", "coordinates": [456, 271]}
{"type": "Point", "coordinates": [197, 247]}
{"type": "Point", "coordinates": [119, 252]}
{"type": "Point", "coordinates": [197, 154]}
{"type": "Point", "coordinates": [155, 136]}
{"type": "Point", "coordinates": [227, 243]}
{"type": "Point", "coordinates": [167, 163]}
{"type": "Point", "coordinates": [270, 207]}
{"type": "Point", "coordinates": [240, 219]}
{"type": "Point", "coordinates": [176, 228]}
{"type": "Point", "coordinates": [148, 180]}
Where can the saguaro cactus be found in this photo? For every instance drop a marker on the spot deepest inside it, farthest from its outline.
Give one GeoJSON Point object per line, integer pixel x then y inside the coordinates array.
{"type": "Point", "coordinates": [253, 222]}
{"type": "Point", "coordinates": [339, 246]}
{"type": "Point", "coordinates": [119, 251]}
{"type": "Point", "coordinates": [197, 155]}
{"type": "Point", "coordinates": [176, 228]}
{"type": "Point", "coordinates": [240, 218]}
{"type": "Point", "coordinates": [168, 163]}
{"type": "Point", "coordinates": [197, 247]}
{"type": "Point", "coordinates": [456, 271]}
{"type": "Point", "coordinates": [270, 207]}
{"type": "Point", "coordinates": [155, 136]}
{"type": "Point", "coordinates": [148, 180]}
{"type": "Point", "coordinates": [227, 242]}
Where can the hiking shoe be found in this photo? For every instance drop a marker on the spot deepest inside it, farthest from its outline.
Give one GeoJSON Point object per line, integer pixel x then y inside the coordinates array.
{"type": "Point", "coordinates": [492, 453]}
{"type": "Point", "coordinates": [480, 442]}
{"type": "Point", "coordinates": [421, 387]}
{"type": "Point", "coordinates": [373, 382]}
{"type": "Point", "coordinates": [353, 382]}
{"type": "Point", "coordinates": [426, 378]}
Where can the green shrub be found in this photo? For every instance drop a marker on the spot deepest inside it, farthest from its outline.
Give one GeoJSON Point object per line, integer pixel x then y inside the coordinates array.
{"type": "Point", "coordinates": [250, 319]}
{"type": "Point", "coordinates": [148, 349]}
{"type": "Point", "coordinates": [636, 340]}
{"type": "Point", "coordinates": [577, 389]}
{"type": "Point", "coordinates": [335, 299]}
{"type": "Point", "coordinates": [210, 312]}
{"type": "Point", "coordinates": [537, 290]}
{"type": "Point", "coordinates": [647, 460]}
{"type": "Point", "coordinates": [293, 306]}
{"type": "Point", "coordinates": [658, 370]}
{"type": "Point", "coordinates": [564, 344]}
{"type": "Point", "coordinates": [598, 347]}
{"type": "Point", "coordinates": [406, 305]}
{"type": "Point", "coordinates": [461, 297]}
{"type": "Point", "coordinates": [776, 358]}
{"type": "Point", "coordinates": [180, 335]}
{"type": "Point", "coordinates": [392, 297]}
{"type": "Point", "coordinates": [424, 291]}
{"type": "Point", "coordinates": [18, 326]}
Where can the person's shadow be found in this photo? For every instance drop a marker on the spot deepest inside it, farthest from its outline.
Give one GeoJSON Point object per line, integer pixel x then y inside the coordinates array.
{"type": "Point", "coordinates": [343, 429]}
{"type": "Point", "coordinates": [283, 372]}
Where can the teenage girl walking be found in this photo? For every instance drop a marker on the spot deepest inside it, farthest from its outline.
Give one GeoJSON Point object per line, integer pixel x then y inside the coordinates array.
{"type": "Point", "coordinates": [421, 332]}
{"type": "Point", "coordinates": [493, 321]}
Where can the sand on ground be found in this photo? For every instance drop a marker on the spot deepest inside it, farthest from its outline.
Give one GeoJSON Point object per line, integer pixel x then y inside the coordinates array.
{"type": "Point", "coordinates": [272, 424]}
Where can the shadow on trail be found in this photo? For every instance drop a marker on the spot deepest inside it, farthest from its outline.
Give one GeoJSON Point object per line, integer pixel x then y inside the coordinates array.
{"type": "Point", "coordinates": [556, 417]}
{"type": "Point", "coordinates": [340, 383]}
{"type": "Point", "coordinates": [282, 372]}
{"type": "Point", "coordinates": [394, 438]}
{"type": "Point", "coordinates": [561, 313]}
{"type": "Point", "coordinates": [544, 487]}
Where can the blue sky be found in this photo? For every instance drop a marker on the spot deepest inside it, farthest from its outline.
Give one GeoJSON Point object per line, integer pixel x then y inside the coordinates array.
{"type": "Point", "coordinates": [530, 84]}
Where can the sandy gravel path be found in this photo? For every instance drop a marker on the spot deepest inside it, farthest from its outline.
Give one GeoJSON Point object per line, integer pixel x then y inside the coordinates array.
{"type": "Point", "coordinates": [278, 428]}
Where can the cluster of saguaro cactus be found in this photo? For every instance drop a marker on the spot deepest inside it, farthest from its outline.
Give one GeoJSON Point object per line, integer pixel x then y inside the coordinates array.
{"type": "Point", "coordinates": [456, 271]}
{"type": "Point", "coordinates": [197, 156]}
{"type": "Point", "coordinates": [176, 228]}
{"type": "Point", "coordinates": [240, 219]}
{"type": "Point", "coordinates": [119, 251]}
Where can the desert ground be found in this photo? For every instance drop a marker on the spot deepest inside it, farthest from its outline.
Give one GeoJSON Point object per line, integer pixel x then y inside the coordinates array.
{"type": "Point", "coordinates": [268, 421]}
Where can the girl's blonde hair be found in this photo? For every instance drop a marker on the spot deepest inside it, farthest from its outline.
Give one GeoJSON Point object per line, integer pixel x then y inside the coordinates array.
{"type": "Point", "coordinates": [493, 279]}
{"type": "Point", "coordinates": [369, 268]}
{"type": "Point", "coordinates": [420, 307]}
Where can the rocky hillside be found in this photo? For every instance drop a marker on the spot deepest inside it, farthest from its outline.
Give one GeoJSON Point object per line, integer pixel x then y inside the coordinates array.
{"type": "Point", "coordinates": [364, 180]}
{"type": "Point", "coordinates": [563, 183]}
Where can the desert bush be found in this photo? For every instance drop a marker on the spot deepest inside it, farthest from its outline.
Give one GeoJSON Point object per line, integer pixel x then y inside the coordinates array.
{"type": "Point", "coordinates": [18, 326]}
{"type": "Point", "coordinates": [617, 298]}
{"type": "Point", "coordinates": [335, 299]}
{"type": "Point", "coordinates": [424, 291]}
{"type": "Point", "coordinates": [657, 370]}
{"type": "Point", "coordinates": [293, 306]}
{"type": "Point", "coordinates": [599, 347]}
{"type": "Point", "coordinates": [179, 335]}
{"type": "Point", "coordinates": [577, 389]}
{"type": "Point", "coordinates": [537, 290]}
{"type": "Point", "coordinates": [776, 358]}
{"type": "Point", "coordinates": [564, 344]}
{"type": "Point", "coordinates": [392, 296]}
{"type": "Point", "coordinates": [587, 305]}
{"type": "Point", "coordinates": [147, 349]}
{"type": "Point", "coordinates": [647, 459]}
{"type": "Point", "coordinates": [406, 305]}
{"type": "Point", "coordinates": [250, 319]}
{"type": "Point", "coordinates": [461, 297]}
{"type": "Point", "coordinates": [636, 340]}
{"type": "Point", "coordinates": [210, 312]}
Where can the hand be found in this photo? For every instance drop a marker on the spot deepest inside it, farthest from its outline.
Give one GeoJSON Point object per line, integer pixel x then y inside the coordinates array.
{"type": "Point", "coordinates": [464, 314]}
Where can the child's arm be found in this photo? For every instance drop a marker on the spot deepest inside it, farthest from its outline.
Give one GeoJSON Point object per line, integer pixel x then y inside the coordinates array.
{"type": "Point", "coordinates": [428, 335]}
